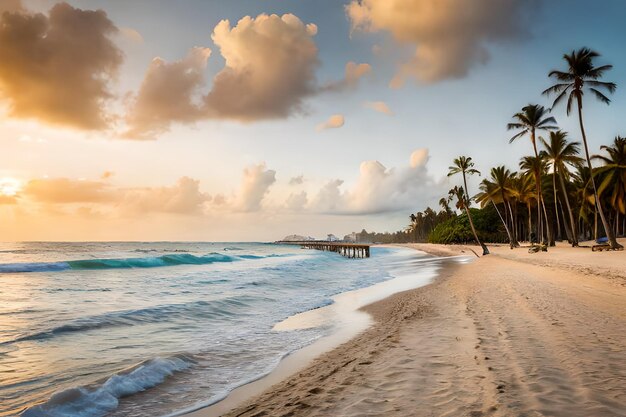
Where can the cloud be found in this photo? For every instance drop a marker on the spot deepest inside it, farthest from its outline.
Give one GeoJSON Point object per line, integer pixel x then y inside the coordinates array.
{"type": "Point", "coordinates": [270, 64]}
{"type": "Point", "coordinates": [270, 68]}
{"type": "Point", "coordinates": [450, 36]}
{"type": "Point", "coordinates": [419, 158]}
{"type": "Point", "coordinates": [57, 68]}
{"type": "Point", "coordinates": [353, 73]}
{"type": "Point", "coordinates": [107, 174]}
{"type": "Point", "coordinates": [379, 190]}
{"type": "Point", "coordinates": [329, 198]}
{"type": "Point", "coordinates": [256, 182]}
{"type": "Point", "coordinates": [296, 180]}
{"type": "Point", "coordinates": [65, 190]}
{"type": "Point", "coordinates": [379, 106]}
{"type": "Point", "coordinates": [167, 95]}
{"type": "Point", "coordinates": [296, 201]}
{"type": "Point", "coordinates": [184, 197]}
{"type": "Point", "coordinates": [334, 122]}
{"type": "Point", "coordinates": [7, 199]}
{"type": "Point", "coordinates": [132, 35]}
{"type": "Point", "coordinates": [11, 6]}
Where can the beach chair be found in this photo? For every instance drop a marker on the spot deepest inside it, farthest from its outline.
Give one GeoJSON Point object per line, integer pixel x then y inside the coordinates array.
{"type": "Point", "coordinates": [603, 244]}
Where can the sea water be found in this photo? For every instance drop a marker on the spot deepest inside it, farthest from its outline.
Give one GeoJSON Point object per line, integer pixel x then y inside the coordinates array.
{"type": "Point", "coordinates": [146, 329]}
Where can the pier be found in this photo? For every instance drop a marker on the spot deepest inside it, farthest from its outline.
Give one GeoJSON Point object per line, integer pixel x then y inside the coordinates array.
{"type": "Point", "coordinates": [349, 250]}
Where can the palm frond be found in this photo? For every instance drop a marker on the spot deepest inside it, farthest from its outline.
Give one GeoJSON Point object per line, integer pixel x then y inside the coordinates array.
{"type": "Point", "coordinates": [519, 135]}
{"type": "Point", "coordinates": [610, 87]}
{"type": "Point", "coordinates": [600, 96]}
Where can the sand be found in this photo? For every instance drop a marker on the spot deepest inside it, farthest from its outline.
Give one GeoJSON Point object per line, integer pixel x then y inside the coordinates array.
{"type": "Point", "coordinates": [510, 334]}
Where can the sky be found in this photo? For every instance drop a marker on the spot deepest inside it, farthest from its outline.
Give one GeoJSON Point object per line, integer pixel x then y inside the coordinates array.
{"type": "Point", "coordinates": [250, 120]}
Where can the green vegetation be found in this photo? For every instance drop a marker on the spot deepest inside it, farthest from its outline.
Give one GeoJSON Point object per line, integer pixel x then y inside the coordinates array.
{"type": "Point", "coordinates": [557, 193]}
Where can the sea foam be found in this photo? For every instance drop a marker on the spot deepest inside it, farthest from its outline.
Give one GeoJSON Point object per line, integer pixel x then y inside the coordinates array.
{"type": "Point", "coordinates": [98, 400]}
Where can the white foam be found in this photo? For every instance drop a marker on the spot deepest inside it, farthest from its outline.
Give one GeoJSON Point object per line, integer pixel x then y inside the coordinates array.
{"type": "Point", "coordinates": [97, 402]}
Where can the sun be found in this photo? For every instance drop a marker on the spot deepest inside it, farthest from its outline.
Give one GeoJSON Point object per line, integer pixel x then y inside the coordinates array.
{"type": "Point", "coordinates": [9, 186]}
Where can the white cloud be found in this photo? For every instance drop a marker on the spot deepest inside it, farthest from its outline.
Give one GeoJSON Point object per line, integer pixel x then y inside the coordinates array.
{"type": "Point", "coordinates": [184, 197]}
{"type": "Point", "coordinates": [256, 182]}
{"type": "Point", "coordinates": [380, 190]}
{"type": "Point", "coordinates": [329, 198]}
{"type": "Point", "coordinates": [296, 201]}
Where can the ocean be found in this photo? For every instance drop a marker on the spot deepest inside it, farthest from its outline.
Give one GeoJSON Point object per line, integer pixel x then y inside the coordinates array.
{"type": "Point", "coordinates": [149, 329]}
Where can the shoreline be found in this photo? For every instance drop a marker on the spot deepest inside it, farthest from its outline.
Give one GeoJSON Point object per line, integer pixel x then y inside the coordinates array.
{"type": "Point", "coordinates": [354, 321]}
{"type": "Point", "coordinates": [510, 333]}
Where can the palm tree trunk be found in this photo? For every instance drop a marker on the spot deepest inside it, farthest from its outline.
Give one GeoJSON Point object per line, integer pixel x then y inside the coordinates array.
{"type": "Point", "coordinates": [508, 232]}
{"type": "Point", "coordinates": [469, 217]}
{"type": "Point", "coordinates": [556, 205]}
{"type": "Point", "coordinates": [471, 222]}
{"type": "Point", "coordinates": [595, 222]}
{"type": "Point", "coordinates": [530, 221]}
{"type": "Point", "coordinates": [549, 234]}
{"type": "Point", "coordinates": [513, 234]}
{"type": "Point", "coordinates": [569, 210]}
{"type": "Point", "coordinates": [538, 187]}
{"type": "Point", "coordinates": [566, 225]}
{"type": "Point", "coordinates": [609, 232]}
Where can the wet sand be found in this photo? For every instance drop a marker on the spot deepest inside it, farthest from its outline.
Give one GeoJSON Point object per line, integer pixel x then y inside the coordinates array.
{"type": "Point", "coordinates": [511, 334]}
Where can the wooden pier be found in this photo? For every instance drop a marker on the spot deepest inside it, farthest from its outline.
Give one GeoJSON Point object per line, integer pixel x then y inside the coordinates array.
{"type": "Point", "coordinates": [349, 250]}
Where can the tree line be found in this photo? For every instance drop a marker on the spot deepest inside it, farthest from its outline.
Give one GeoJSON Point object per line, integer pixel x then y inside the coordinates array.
{"type": "Point", "coordinates": [555, 193]}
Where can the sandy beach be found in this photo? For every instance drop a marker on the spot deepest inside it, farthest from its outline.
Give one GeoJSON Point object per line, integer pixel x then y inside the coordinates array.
{"type": "Point", "coordinates": [508, 334]}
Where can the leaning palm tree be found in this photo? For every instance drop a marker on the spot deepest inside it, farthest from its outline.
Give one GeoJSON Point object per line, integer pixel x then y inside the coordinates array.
{"type": "Point", "coordinates": [465, 166]}
{"type": "Point", "coordinates": [581, 75]}
{"type": "Point", "coordinates": [560, 153]}
{"type": "Point", "coordinates": [527, 122]}
{"type": "Point", "coordinates": [613, 175]}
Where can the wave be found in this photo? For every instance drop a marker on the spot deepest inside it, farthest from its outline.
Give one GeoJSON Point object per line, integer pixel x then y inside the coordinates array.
{"type": "Point", "coordinates": [99, 400]}
{"type": "Point", "coordinates": [205, 310]}
{"type": "Point", "coordinates": [121, 263]}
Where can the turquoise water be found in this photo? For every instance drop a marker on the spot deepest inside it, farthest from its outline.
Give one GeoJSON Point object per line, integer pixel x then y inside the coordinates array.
{"type": "Point", "coordinates": [146, 329]}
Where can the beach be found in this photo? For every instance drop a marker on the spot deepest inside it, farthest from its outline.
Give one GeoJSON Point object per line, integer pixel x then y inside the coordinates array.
{"type": "Point", "coordinates": [511, 333]}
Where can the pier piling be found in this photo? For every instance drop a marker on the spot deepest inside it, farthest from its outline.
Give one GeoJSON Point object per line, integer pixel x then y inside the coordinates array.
{"type": "Point", "coordinates": [348, 250]}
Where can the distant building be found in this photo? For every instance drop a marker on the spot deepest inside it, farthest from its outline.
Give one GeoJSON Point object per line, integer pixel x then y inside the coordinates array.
{"type": "Point", "coordinates": [297, 238]}
{"type": "Point", "coordinates": [332, 238]}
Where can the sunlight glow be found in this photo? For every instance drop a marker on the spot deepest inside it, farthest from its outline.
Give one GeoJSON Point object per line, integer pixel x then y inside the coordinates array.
{"type": "Point", "coordinates": [10, 186]}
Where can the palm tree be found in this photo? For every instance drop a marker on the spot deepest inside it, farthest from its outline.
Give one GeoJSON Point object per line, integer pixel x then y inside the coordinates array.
{"type": "Point", "coordinates": [497, 189]}
{"type": "Point", "coordinates": [465, 166]}
{"type": "Point", "coordinates": [523, 187]}
{"type": "Point", "coordinates": [531, 119]}
{"type": "Point", "coordinates": [535, 166]}
{"type": "Point", "coordinates": [581, 75]}
{"type": "Point", "coordinates": [489, 194]}
{"type": "Point", "coordinates": [613, 175]}
{"type": "Point", "coordinates": [585, 197]}
{"type": "Point", "coordinates": [445, 205]}
{"type": "Point", "coordinates": [560, 154]}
